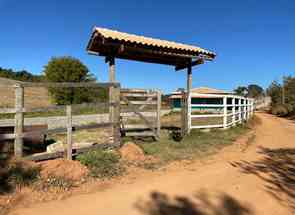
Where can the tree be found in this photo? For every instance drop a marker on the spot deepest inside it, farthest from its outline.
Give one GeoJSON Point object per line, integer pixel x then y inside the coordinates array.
{"type": "Point", "coordinates": [255, 91]}
{"type": "Point", "coordinates": [252, 90]}
{"type": "Point", "coordinates": [69, 69]}
{"type": "Point", "coordinates": [241, 91]}
{"type": "Point", "coordinates": [275, 92]}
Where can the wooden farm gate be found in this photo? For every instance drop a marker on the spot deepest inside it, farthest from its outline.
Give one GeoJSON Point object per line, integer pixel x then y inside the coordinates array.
{"type": "Point", "coordinates": [20, 133]}
{"type": "Point", "coordinates": [140, 112]}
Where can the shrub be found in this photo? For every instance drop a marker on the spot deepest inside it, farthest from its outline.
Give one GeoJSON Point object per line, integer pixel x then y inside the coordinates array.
{"type": "Point", "coordinates": [281, 110]}
{"type": "Point", "coordinates": [58, 182]}
{"type": "Point", "coordinates": [102, 164]}
{"type": "Point", "coordinates": [18, 173]}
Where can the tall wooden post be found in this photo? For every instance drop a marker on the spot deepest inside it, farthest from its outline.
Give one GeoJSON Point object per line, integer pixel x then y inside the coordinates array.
{"type": "Point", "coordinates": [224, 112]}
{"type": "Point", "coordinates": [183, 114]}
{"type": "Point", "coordinates": [112, 78]}
{"type": "Point", "coordinates": [188, 102]}
{"type": "Point", "coordinates": [234, 111]}
{"type": "Point", "coordinates": [240, 110]}
{"type": "Point", "coordinates": [159, 101]}
{"type": "Point", "coordinates": [19, 121]}
{"type": "Point", "coordinates": [69, 132]}
{"type": "Point", "coordinates": [116, 115]}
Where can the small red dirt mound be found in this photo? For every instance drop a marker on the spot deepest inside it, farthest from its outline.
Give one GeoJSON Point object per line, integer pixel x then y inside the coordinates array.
{"type": "Point", "coordinates": [72, 170]}
{"type": "Point", "coordinates": [131, 152]}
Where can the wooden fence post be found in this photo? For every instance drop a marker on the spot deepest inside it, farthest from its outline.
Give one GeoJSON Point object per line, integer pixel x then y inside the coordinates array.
{"type": "Point", "coordinates": [240, 110]}
{"type": "Point", "coordinates": [183, 114]}
{"type": "Point", "coordinates": [69, 132]}
{"type": "Point", "coordinates": [19, 121]}
{"type": "Point", "coordinates": [224, 111]}
{"type": "Point", "coordinates": [115, 101]}
{"type": "Point", "coordinates": [159, 100]}
{"type": "Point", "coordinates": [233, 111]}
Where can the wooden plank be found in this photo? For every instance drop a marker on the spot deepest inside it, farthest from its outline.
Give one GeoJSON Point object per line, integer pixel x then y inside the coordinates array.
{"type": "Point", "coordinates": [148, 102]}
{"type": "Point", "coordinates": [159, 101]}
{"type": "Point", "coordinates": [137, 95]}
{"type": "Point", "coordinates": [53, 155]}
{"type": "Point", "coordinates": [64, 130]}
{"type": "Point", "coordinates": [67, 84]}
{"type": "Point", "coordinates": [183, 114]}
{"type": "Point", "coordinates": [207, 105]}
{"type": "Point", "coordinates": [188, 102]}
{"type": "Point", "coordinates": [224, 112]}
{"type": "Point", "coordinates": [206, 115]}
{"type": "Point", "coordinates": [116, 116]}
{"type": "Point", "coordinates": [7, 137]}
{"type": "Point", "coordinates": [129, 127]}
{"type": "Point", "coordinates": [7, 110]}
{"type": "Point", "coordinates": [19, 121]}
{"type": "Point", "coordinates": [194, 63]}
{"type": "Point", "coordinates": [141, 134]}
{"type": "Point", "coordinates": [141, 116]}
{"type": "Point", "coordinates": [69, 132]}
{"type": "Point", "coordinates": [208, 126]}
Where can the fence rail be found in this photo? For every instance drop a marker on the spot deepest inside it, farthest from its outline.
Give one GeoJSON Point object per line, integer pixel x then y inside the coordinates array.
{"type": "Point", "coordinates": [19, 110]}
{"type": "Point", "coordinates": [232, 110]}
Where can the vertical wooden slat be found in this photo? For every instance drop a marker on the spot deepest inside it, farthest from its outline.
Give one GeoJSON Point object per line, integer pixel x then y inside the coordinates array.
{"type": "Point", "coordinates": [115, 99]}
{"type": "Point", "coordinates": [183, 114]}
{"type": "Point", "coordinates": [112, 77]}
{"type": "Point", "coordinates": [159, 101]}
{"type": "Point", "coordinates": [234, 111]}
{"type": "Point", "coordinates": [19, 121]}
{"type": "Point", "coordinates": [224, 112]}
{"type": "Point", "coordinates": [69, 132]}
{"type": "Point", "coordinates": [240, 110]}
{"type": "Point", "coordinates": [188, 102]}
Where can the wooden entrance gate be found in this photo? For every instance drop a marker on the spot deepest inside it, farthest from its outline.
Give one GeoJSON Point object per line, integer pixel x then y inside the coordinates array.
{"type": "Point", "coordinates": [140, 112]}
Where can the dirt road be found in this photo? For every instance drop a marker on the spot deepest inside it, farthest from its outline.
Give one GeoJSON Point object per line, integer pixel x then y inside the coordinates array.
{"type": "Point", "coordinates": [259, 180]}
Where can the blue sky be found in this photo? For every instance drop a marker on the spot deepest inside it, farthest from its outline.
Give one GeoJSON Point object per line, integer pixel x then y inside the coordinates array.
{"type": "Point", "coordinates": [254, 40]}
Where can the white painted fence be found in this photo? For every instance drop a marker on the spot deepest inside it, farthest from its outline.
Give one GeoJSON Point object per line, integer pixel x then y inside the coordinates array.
{"type": "Point", "coordinates": [232, 111]}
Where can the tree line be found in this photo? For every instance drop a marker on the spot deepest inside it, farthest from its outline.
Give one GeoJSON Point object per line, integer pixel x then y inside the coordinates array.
{"type": "Point", "coordinates": [63, 69]}
{"type": "Point", "coordinates": [282, 96]}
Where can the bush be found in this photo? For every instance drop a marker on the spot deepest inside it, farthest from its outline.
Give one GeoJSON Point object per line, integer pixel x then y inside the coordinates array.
{"type": "Point", "coordinates": [58, 182]}
{"type": "Point", "coordinates": [18, 173]}
{"type": "Point", "coordinates": [102, 164]}
{"type": "Point", "coordinates": [282, 110]}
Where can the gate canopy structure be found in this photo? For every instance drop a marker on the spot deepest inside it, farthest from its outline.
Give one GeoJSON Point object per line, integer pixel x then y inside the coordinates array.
{"type": "Point", "coordinates": [114, 44]}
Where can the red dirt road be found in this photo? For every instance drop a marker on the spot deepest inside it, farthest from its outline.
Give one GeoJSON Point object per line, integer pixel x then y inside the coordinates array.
{"type": "Point", "coordinates": [256, 181]}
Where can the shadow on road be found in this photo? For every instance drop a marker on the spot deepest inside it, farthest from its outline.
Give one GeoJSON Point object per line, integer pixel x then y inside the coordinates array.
{"type": "Point", "coordinates": [277, 169]}
{"type": "Point", "coordinates": [200, 204]}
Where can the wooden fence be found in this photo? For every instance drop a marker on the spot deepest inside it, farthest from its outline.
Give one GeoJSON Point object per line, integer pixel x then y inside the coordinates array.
{"type": "Point", "coordinates": [230, 112]}
{"type": "Point", "coordinates": [19, 110]}
{"type": "Point", "coordinates": [136, 101]}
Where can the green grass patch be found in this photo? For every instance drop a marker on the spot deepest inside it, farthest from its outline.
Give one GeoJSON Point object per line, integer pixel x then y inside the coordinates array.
{"type": "Point", "coordinates": [197, 144]}
{"type": "Point", "coordinates": [102, 164]}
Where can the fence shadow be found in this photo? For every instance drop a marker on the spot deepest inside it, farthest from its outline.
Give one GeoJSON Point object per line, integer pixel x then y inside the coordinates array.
{"type": "Point", "coordinates": [277, 169]}
{"type": "Point", "coordinates": [200, 204]}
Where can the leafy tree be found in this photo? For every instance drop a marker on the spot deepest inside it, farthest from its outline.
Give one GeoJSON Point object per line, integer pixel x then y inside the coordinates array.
{"type": "Point", "coordinates": [289, 90]}
{"type": "Point", "coordinates": [69, 69]}
{"type": "Point", "coordinates": [275, 92]}
{"type": "Point", "coordinates": [255, 91]}
{"type": "Point", "coordinates": [252, 90]}
{"type": "Point", "coordinates": [241, 91]}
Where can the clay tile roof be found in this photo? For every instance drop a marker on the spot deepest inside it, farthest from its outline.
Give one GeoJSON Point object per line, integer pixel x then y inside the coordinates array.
{"type": "Point", "coordinates": [208, 90]}
{"type": "Point", "coordinates": [126, 37]}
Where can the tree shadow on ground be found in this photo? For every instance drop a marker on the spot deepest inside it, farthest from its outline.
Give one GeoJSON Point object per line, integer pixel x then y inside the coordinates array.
{"type": "Point", "coordinates": [200, 204]}
{"type": "Point", "coordinates": [277, 169]}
